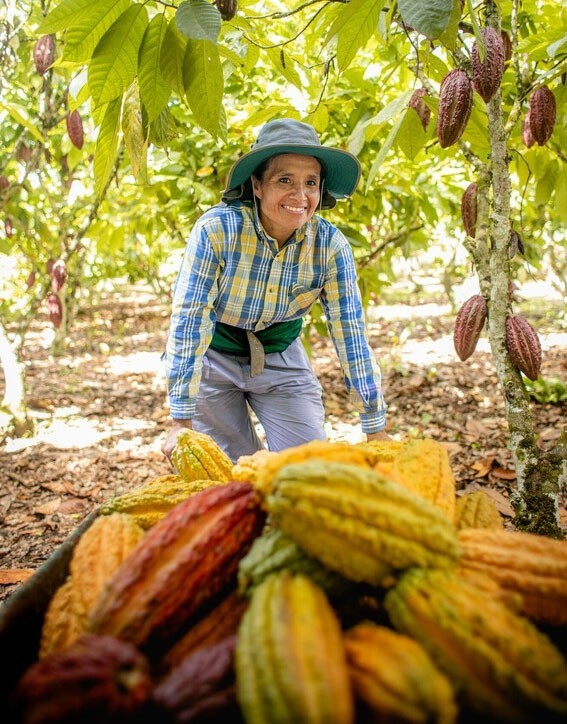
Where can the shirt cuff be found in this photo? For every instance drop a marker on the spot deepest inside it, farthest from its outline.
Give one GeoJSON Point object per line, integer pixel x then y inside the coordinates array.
{"type": "Point", "coordinates": [182, 410]}
{"type": "Point", "coordinates": [372, 422]}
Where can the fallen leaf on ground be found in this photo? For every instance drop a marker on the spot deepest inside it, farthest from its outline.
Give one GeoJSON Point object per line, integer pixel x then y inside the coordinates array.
{"type": "Point", "coordinates": [9, 576]}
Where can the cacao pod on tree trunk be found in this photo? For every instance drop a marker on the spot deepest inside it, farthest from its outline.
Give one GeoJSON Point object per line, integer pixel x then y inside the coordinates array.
{"type": "Point", "coordinates": [44, 53]}
{"type": "Point", "coordinates": [469, 209]}
{"type": "Point", "coordinates": [523, 346]}
{"type": "Point", "coordinates": [487, 73]}
{"type": "Point", "coordinates": [75, 128]}
{"type": "Point", "coordinates": [455, 106]}
{"type": "Point", "coordinates": [542, 114]}
{"type": "Point", "coordinates": [468, 325]}
{"type": "Point", "coordinates": [420, 107]}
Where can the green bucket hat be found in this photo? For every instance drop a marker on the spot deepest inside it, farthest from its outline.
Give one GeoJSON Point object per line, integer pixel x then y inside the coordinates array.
{"type": "Point", "coordinates": [286, 135]}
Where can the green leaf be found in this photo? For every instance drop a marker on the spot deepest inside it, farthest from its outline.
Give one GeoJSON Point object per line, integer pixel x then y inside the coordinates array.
{"type": "Point", "coordinates": [411, 136]}
{"type": "Point", "coordinates": [20, 116]}
{"type": "Point", "coordinates": [107, 145]}
{"type": "Point", "coordinates": [354, 26]}
{"type": "Point", "coordinates": [65, 14]}
{"type": "Point", "coordinates": [83, 36]}
{"type": "Point", "coordinates": [561, 195]}
{"type": "Point", "coordinates": [284, 65]}
{"type": "Point", "coordinates": [154, 90]}
{"type": "Point", "coordinates": [199, 20]}
{"type": "Point", "coordinates": [449, 36]}
{"type": "Point", "coordinates": [428, 17]}
{"type": "Point", "coordinates": [383, 152]}
{"type": "Point", "coordinates": [134, 137]}
{"type": "Point", "coordinates": [172, 57]}
{"type": "Point", "coordinates": [204, 85]}
{"type": "Point", "coordinates": [476, 30]}
{"type": "Point", "coordinates": [115, 60]}
{"type": "Point", "coordinates": [163, 129]}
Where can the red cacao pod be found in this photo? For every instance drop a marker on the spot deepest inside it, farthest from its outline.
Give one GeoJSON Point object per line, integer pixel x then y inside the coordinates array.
{"type": "Point", "coordinates": [468, 325]}
{"type": "Point", "coordinates": [523, 346]}
{"type": "Point", "coordinates": [227, 8]}
{"type": "Point", "coordinates": [97, 679]}
{"type": "Point", "coordinates": [455, 106]}
{"type": "Point", "coordinates": [74, 124]}
{"type": "Point", "coordinates": [4, 183]}
{"type": "Point", "coordinates": [9, 227]}
{"type": "Point", "coordinates": [49, 265]}
{"type": "Point", "coordinates": [543, 112]}
{"type": "Point", "coordinates": [31, 279]}
{"type": "Point", "coordinates": [469, 209]}
{"type": "Point", "coordinates": [507, 45]}
{"type": "Point", "coordinates": [58, 274]}
{"type": "Point", "coordinates": [487, 73]}
{"type": "Point", "coordinates": [527, 135]}
{"type": "Point", "coordinates": [54, 310]}
{"type": "Point", "coordinates": [44, 53]}
{"type": "Point", "coordinates": [420, 107]}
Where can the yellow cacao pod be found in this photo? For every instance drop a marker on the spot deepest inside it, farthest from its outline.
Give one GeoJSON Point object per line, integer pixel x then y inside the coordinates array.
{"type": "Point", "coordinates": [196, 456]}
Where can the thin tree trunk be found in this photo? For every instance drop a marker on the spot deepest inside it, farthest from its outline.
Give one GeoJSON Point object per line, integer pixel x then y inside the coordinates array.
{"type": "Point", "coordinates": [14, 402]}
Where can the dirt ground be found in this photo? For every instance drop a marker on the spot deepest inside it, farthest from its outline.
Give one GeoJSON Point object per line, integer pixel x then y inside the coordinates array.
{"type": "Point", "coordinates": [101, 414]}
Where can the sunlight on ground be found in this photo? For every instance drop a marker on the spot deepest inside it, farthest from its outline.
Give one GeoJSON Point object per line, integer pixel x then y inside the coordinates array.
{"type": "Point", "coordinates": [136, 363]}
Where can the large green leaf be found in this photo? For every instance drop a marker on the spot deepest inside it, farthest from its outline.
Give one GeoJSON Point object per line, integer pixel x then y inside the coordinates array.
{"type": "Point", "coordinates": [135, 140]}
{"type": "Point", "coordinates": [20, 115]}
{"type": "Point", "coordinates": [354, 26]}
{"type": "Point", "coordinates": [172, 57]}
{"type": "Point", "coordinates": [284, 64]}
{"type": "Point", "coordinates": [383, 152]}
{"type": "Point", "coordinates": [83, 36]}
{"type": "Point", "coordinates": [411, 135]}
{"type": "Point", "coordinates": [115, 60]}
{"type": "Point", "coordinates": [199, 20]}
{"type": "Point", "coordinates": [67, 13]}
{"type": "Point", "coordinates": [428, 17]}
{"type": "Point", "coordinates": [107, 145]}
{"type": "Point", "coordinates": [204, 84]}
{"type": "Point", "coordinates": [154, 90]}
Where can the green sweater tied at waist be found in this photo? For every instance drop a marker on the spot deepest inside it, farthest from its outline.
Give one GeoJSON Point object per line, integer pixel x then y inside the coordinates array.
{"type": "Point", "coordinates": [275, 338]}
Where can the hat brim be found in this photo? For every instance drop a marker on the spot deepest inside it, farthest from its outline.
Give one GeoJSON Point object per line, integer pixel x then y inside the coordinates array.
{"type": "Point", "coordinates": [342, 168]}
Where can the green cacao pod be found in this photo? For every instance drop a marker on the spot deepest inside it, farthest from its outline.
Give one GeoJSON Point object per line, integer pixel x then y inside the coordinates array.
{"type": "Point", "coordinates": [290, 660]}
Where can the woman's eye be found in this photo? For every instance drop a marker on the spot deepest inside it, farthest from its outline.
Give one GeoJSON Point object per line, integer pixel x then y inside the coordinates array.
{"type": "Point", "coordinates": [284, 180]}
{"type": "Point", "coordinates": [312, 182]}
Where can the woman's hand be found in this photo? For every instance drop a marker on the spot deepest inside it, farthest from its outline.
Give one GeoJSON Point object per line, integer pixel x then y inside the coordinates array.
{"type": "Point", "coordinates": [171, 438]}
{"type": "Point", "coordinates": [382, 435]}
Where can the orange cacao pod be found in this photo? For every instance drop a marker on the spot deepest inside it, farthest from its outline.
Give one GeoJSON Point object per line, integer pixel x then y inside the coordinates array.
{"type": "Point", "coordinates": [54, 310]}
{"type": "Point", "coordinates": [455, 106]}
{"type": "Point", "coordinates": [420, 107]}
{"type": "Point", "coordinates": [44, 53]}
{"type": "Point", "coordinates": [468, 325]}
{"type": "Point", "coordinates": [184, 561]}
{"type": "Point", "coordinates": [543, 112]}
{"type": "Point", "coordinates": [74, 124]}
{"type": "Point", "coordinates": [469, 209]}
{"type": "Point", "coordinates": [58, 274]}
{"type": "Point", "coordinates": [227, 8]}
{"type": "Point", "coordinates": [98, 678]}
{"type": "Point", "coordinates": [487, 73]}
{"type": "Point", "coordinates": [523, 346]}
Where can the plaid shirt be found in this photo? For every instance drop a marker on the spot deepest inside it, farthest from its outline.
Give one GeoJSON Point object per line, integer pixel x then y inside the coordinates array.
{"type": "Point", "coordinates": [234, 272]}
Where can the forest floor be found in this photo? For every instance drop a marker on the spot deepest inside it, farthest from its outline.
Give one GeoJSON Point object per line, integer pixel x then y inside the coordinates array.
{"type": "Point", "coordinates": [101, 412]}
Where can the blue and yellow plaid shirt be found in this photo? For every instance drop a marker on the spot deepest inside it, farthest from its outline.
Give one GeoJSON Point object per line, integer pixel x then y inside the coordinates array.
{"type": "Point", "coordinates": [232, 271]}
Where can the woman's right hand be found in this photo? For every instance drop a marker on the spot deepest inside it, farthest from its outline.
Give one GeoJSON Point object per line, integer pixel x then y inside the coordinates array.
{"type": "Point", "coordinates": [171, 437]}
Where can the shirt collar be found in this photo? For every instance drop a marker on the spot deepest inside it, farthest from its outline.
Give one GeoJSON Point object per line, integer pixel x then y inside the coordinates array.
{"type": "Point", "coordinates": [297, 237]}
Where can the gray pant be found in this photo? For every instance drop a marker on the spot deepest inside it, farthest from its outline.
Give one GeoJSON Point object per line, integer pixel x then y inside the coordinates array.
{"type": "Point", "coordinates": [286, 398]}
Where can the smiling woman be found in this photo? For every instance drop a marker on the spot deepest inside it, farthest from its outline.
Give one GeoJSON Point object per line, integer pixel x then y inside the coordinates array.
{"type": "Point", "coordinates": [253, 267]}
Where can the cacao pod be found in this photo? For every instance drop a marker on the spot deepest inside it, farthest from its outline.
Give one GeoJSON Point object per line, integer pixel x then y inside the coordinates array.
{"type": "Point", "coordinates": [487, 73]}
{"type": "Point", "coordinates": [476, 510]}
{"type": "Point", "coordinates": [4, 183]}
{"type": "Point", "coordinates": [543, 112]}
{"type": "Point", "coordinates": [54, 310]}
{"type": "Point", "coordinates": [44, 53]}
{"type": "Point", "coordinates": [468, 325]}
{"type": "Point", "coordinates": [9, 227]}
{"type": "Point", "coordinates": [246, 467]}
{"type": "Point", "coordinates": [523, 346]}
{"type": "Point", "coordinates": [515, 244]}
{"type": "Point", "coordinates": [227, 8]}
{"type": "Point", "coordinates": [469, 209]}
{"type": "Point", "coordinates": [62, 623]}
{"type": "Point", "coordinates": [74, 124]}
{"type": "Point", "coordinates": [498, 661]}
{"type": "Point", "coordinates": [420, 107]}
{"type": "Point", "coordinates": [455, 106]}
{"type": "Point", "coordinates": [58, 274]}
{"type": "Point", "coordinates": [196, 456]}
{"type": "Point", "coordinates": [49, 265]}
{"type": "Point", "coordinates": [97, 679]}
{"type": "Point", "coordinates": [507, 45]}
{"type": "Point", "coordinates": [31, 279]}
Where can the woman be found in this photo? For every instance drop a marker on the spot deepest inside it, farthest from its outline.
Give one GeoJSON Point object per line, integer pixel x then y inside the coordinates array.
{"type": "Point", "coordinates": [253, 267]}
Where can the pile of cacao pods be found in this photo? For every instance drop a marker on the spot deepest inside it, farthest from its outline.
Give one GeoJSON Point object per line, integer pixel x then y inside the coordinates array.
{"type": "Point", "coordinates": [330, 582]}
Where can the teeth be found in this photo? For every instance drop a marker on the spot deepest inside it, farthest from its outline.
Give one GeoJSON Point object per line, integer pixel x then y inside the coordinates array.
{"type": "Point", "coordinates": [295, 208]}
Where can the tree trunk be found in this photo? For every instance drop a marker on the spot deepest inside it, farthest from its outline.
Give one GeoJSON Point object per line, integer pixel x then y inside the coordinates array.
{"type": "Point", "coordinates": [14, 403]}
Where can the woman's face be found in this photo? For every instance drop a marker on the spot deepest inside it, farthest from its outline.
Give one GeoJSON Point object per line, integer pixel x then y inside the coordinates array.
{"type": "Point", "coordinates": [289, 193]}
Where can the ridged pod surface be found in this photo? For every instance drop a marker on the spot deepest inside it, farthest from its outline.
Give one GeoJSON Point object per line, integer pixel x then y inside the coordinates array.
{"type": "Point", "coordinates": [197, 456]}
{"type": "Point", "coordinates": [74, 124]}
{"type": "Point", "coordinates": [455, 106]}
{"type": "Point", "coordinates": [62, 624]}
{"type": "Point", "coordinates": [500, 662]}
{"type": "Point", "coordinates": [150, 503]}
{"type": "Point", "coordinates": [290, 660]}
{"type": "Point", "coordinates": [358, 522]}
{"type": "Point", "coordinates": [395, 678]}
{"type": "Point", "coordinates": [531, 565]}
{"type": "Point", "coordinates": [423, 467]}
{"type": "Point", "coordinates": [476, 510]}
{"type": "Point", "coordinates": [469, 209]}
{"type": "Point", "coordinates": [420, 106]}
{"type": "Point", "coordinates": [523, 346]}
{"type": "Point", "coordinates": [246, 467]}
{"type": "Point", "coordinates": [380, 451]}
{"type": "Point", "coordinates": [487, 73]}
{"type": "Point", "coordinates": [468, 325]}
{"type": "Point", "coordinates": [542, 114]}
{"type": "Point", "coordinates": [184, 561]}
{"type": "Point", "coordinates": [227, 8]}
{"type": "Point", "coordinates": [98, 679]}
{"type": "Point", "coordinates": [274, 551]}
{"type": "Point", "coordinates": [58, 274]}
{"type": "Point", "coordinates": [44, 53]}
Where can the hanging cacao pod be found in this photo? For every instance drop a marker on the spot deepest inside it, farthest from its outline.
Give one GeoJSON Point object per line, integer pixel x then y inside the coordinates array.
{"type": "Point", "coordinates": [420, 107]}
{"type": "Point", "coordinates": [468, 325]}
{"type": "Point", "coordinates": [523, 346]}
{"type": "Point", "coordinates": [44, 53]}
{"type": "Point", "coordinates": [31, 279]}
{"type": "Point", "coordinates": [4, 183]}
{"type": "Point", "coordinates": [543, 112]}
{"type": "Point", "coordinates": [75, 128]}
{"type": "Point", "coordinates": [49, 265]}
{"type": "Point", "coordinates": [487, 73]}
{"type": "Point", "coordinates": [58, 275]}
{"type": "Point", "coordinates": [527, 135]}
{"type": "Point", "coordinates": [227, 8]}
{"type": "Point", "coordinates": [507, 45]}
{"type": "Point", "coordinates": [54, 310]}
{"type": "Point", "coordinates": [515, 244]}
{"type": "Point", "coordinates": [469, 209]}
{"type": "Point", "coordinates": [455, 106]}
{"type": "Point", "coordinates": [9, 227]}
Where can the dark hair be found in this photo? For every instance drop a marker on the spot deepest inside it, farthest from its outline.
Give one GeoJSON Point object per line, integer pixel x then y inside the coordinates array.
{"type": "Point", "coordinates": [260, 170]}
